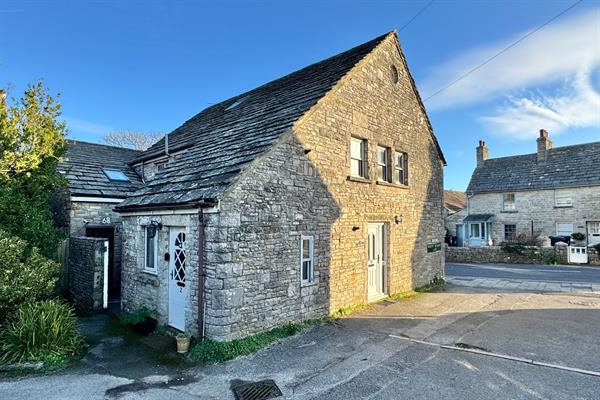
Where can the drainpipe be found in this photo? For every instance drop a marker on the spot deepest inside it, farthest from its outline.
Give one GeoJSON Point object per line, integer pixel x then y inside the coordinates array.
{"type": "Point", "coordinates": [201, 275]}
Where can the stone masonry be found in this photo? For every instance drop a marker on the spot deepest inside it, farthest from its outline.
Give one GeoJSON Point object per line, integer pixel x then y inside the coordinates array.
{"type": "Point", "coordinates": [538, 206]}
{"type": "Point", "coordinates": [86, 273]}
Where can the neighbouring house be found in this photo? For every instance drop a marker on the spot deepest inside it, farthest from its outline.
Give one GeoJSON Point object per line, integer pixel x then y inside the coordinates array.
{"type": "Point", "coordinates": [455, 203]}
{"type": "Point", "coordinates": [316, 191]}
{"type": "Point", "coordinates": [553, 192]}
{"type": "Point", "coordinates": [99, 177]}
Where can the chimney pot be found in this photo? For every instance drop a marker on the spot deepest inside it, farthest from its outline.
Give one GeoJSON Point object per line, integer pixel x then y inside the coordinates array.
{"type": "Point", "coordinates": [482, 153]}
{"type": "Point", "coordinates": [543, 133]}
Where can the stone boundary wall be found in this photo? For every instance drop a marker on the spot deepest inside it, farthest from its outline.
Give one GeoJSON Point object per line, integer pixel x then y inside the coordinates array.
{"type": "Point", "coordinates": [86, 273]}
{"type": "Point", "coordinates": [495, 254]}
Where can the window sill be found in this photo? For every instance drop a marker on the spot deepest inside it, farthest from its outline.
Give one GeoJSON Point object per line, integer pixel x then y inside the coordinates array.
{"type": "Point", "coordinates": [304, 284]}
{"type": "Point", "coordinates": [150, 272]}
{"type": "Point", "coordinates": [392, 184]}
{"type": "Point", "coordinates": [509, 211]}
{"type": "Point", "coordinates": [358, 179]}
{"type": "Point", "coordinates": [571, 206]}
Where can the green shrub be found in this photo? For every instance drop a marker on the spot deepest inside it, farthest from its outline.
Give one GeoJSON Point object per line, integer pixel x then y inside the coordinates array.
{"type": "Point", "coordinates": [551, 259]}
{"type": "Point", "coordinates": [25, 275]}
{"type": "Point", "coordinates": [210, 351]}
{"type": "Point", "coordinates": [578, 236]}
{"type": "Point", "coordinates": [42, 331]}
{"type": "Point", "coordinates": [135, 317]}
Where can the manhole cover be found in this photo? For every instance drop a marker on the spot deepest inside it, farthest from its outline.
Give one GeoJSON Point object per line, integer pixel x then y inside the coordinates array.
{"type": "Point", "coordinates": [260, 390]}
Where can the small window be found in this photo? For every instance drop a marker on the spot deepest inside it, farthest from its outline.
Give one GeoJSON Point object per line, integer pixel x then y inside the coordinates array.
{"type": "Point", "coordinates": [564, 229]}
{"type": "Point", "coordinates": [358, 159]}
{"type": "Point", "coordinates": [161, 166]}
{"type": "Point", "coordinates": [394, 74]}
{"type": "Point", "coordinates": [400, 168]}
{"type": "Point", "coordinates": [509, 202]}
{"type": "Point", "coordinates": [151, 251]}
{"type": "Point", "coordinates": [510, 232]}
{"type": "Point", "coordinates": [475, 232]}
{"type": "Point", "coordinates": [307, 259]}
{"type": "Point", "coordinates": [115, 175]}
{"type": "Point", "coordinates": [563, 198]}
{"type": "Point", "coordinates": [234, 104]}
{"type": "Point", "coordinates": [383, 162]}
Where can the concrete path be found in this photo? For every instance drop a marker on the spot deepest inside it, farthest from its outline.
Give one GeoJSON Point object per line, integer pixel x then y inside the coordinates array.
{"type": "Point", "coordinates": [362, 357]}
{"type": "Point", "coordinates": [525, 277]}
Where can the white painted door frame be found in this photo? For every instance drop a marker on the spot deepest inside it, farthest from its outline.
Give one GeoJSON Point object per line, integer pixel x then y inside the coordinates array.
{"type": "Point", "coordinates": [593, 232]}
{"type": "Point", "coordinates": [377, 261]}
{"type": "Point", "coordinates": [105, 256]}
{"type": "Point", "coordinates": [178, 255]}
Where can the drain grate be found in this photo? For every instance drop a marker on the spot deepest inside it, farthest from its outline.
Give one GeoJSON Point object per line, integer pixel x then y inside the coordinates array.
{"type": "Point", "coordinates": [260, 390]}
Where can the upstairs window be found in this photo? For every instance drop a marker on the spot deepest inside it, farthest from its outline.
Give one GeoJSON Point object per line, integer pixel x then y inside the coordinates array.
{"type": "Point", "coordinates": [400, 168]}
{"type": "Point", "coordinates": [151, 250]}
{"type": "Point", "coordinates": [508, 202]}
{"type": "Point", "coordinates": [383, 162]}
{"type": "Point", "coordinates": [358, 158]}
{"type": "Point", "coordinates": [563, 198]}
{"type": "Point", "coordinates": [307, 259]}
{"type": "Point", "coordinates": [115, 175]}
{"type": "Point", "coordinates": [161, 166]}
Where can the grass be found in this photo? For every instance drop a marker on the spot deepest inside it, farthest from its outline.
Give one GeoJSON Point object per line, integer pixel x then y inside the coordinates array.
{"type": "Point", "coordinates": [210, 351]}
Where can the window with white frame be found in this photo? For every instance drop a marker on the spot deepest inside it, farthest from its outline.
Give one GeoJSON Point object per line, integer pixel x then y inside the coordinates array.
{"type": "Point", "coordinates": [307, 259]}
{"type": "Point", "coordinates": [508, 202]}
{"type": "Point", "coordinates": [475, 230]}
{"type": "Point", "coordinates": [563, 198]}
{"type": "Point", "coordinates": [151, 250]}
{"type": "Point", "coordinates": [400, 168]}
{"type": "Point", "coordinates": [564, 229]}
{"type": "Point", "coordinates": [358, 157]}
{"type": "Point", "coordinates": [383, 162]}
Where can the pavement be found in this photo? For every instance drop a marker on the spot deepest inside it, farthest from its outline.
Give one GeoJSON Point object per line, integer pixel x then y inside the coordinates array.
{"type": "Point", "coordinates": [529, 277]}
{"type": "Point", "coordinates": [459, 343]}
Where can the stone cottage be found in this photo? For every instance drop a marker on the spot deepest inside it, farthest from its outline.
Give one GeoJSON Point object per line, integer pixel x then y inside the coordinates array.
{"type": "Point", "coordinates": [553, 192]}
{"type": "Point", "coordinates": [319, 190]}
{"type": "Point", "coordinates": [99, 177]}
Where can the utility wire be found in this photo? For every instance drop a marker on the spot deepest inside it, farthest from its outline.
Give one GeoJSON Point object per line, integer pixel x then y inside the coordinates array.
{"type": "Point", "coordinates": [416, 15]}
{"type": "Point", "coordinates": [504, 50]}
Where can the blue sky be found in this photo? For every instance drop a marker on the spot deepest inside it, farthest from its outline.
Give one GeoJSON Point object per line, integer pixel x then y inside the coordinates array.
{"type": "Point", "coordinates": [150, 65]}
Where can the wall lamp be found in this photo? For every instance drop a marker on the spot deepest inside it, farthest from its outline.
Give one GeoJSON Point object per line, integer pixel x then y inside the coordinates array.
{"type": "Point", "coordinates": [153, 226]}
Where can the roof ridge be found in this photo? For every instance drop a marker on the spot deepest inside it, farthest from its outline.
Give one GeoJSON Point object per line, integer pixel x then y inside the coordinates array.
{"type": "Point", "coordinates": [103, 145]}
{"type": "Point", "coordinates": [552, 149]}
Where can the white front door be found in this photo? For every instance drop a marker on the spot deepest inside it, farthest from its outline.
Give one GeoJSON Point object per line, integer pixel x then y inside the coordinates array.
{"type": "Point", "coordinates": [177, 279]}
{"type": "Point", "coordinates": [593, 229]}
{"type": "Point", "coordinates": [377, 262]}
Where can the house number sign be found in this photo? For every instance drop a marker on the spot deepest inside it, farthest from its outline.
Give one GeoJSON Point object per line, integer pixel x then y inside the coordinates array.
{"type": "Point", "coordinates": [106, 220]}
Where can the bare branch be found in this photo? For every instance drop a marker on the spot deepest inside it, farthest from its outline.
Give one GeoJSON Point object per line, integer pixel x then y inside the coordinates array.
{"type": "Point", "coordinates": [133, 139]}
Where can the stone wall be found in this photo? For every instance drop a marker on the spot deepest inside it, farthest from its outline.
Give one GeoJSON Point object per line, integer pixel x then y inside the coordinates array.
{"type": "Point", "coordinates": [86, 273]}
{"type": "Point", "coordinates": [538, 206]}
{"type": "Point", "coordinates": [496, 254]}
{"type": "Point", "coordinates": [367, 104]}
{"type": "Point", "coordinates": [151, 289]}
{"type": "Point", "coordinates": [451, 220]}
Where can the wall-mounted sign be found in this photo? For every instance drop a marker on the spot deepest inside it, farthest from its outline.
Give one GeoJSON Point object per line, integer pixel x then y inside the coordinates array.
{"type": "Point", "coordinates": [106, 220]}
{"type": "Point", "coordinates": [433, 247]}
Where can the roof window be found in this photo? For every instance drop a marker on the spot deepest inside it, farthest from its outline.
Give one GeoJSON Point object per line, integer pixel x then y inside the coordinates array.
{"type": "Point", "coordinates": [115, 175]}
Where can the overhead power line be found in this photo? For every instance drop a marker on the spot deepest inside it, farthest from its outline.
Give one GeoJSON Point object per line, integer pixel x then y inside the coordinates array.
{"type": "Point", "coordinates": [504, 50]}
{"type": "Point", "coordinates": [425, 7]}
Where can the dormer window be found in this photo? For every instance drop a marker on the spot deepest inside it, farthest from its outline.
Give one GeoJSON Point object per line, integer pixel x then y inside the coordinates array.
{"type": "Point", "coordinates": [115, 175]}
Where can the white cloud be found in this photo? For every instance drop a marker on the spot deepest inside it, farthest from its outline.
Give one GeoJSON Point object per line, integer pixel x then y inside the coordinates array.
{"type": "Point", "coordinates": [76, 125]}
{"type": "Point", "coordinates": [566, 52]}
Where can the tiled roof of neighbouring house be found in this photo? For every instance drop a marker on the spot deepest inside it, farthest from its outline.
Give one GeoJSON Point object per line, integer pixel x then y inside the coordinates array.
{"type": "Point", "coordinates": [569, 166]}
{"type": "Point", "coordinates": [454, 201]}
{"type": "Point", "coordinates": [224, 138]}
{"type": "Point", "coordinates": [85, 164]}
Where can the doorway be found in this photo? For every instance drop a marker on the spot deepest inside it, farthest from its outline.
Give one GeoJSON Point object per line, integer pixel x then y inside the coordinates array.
{"type": "Point", "coordinates": [377, 262]}
{"type": "Point", "coordinates": [112, 273]}
{"type": "Point", "coordinates": [177, 278]}
{"type": "Point", "coordinates": [593, 232]}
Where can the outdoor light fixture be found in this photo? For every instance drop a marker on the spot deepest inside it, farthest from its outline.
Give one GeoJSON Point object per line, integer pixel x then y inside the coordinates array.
{"type": "Point", "coordinates": [153, 227]}
{"type": "Point", "coordinates": [398, 219]}
{"type": "Point", "coordinates": [355, 228]}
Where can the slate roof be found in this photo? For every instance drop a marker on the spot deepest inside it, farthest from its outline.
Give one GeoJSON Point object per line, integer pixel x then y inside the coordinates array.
{"type": "Point", "coordinates": [454, 201]}
{"type": "Point", "coordinates": [83, 167]}
{"type": "Point", "coordinates": [478, 217]}
{"type": "Point", "coordinates": [565, 167]}
{"type": "Point", "coordinates": [224, 138]}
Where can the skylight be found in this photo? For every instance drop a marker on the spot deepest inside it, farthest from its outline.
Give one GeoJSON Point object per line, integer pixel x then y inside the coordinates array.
{"type": "Point", "coordinates": [115, 175]}
{"type": "Point", "coordinates": [234, 104]}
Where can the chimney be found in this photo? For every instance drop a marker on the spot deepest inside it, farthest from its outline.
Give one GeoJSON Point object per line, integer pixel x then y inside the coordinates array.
{"type": "Point", "coordinates": [482, 153]}
{"type": "Point", "coordinates": [543, 145]}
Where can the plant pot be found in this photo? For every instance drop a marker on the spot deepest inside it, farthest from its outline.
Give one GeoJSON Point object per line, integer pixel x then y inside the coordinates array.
{"type": "Point", "coordinates": [183, 344]}
{"type": "Point", "coordinates": [146, 327]}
